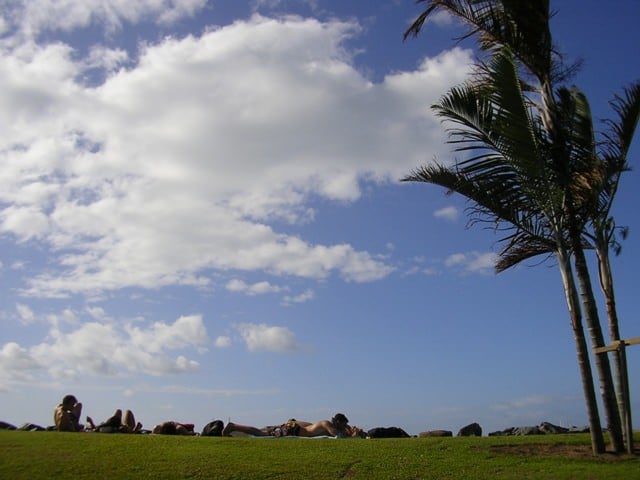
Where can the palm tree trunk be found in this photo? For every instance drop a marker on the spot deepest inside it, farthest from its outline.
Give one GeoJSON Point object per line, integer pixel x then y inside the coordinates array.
{"type": "Point", "coordinates": [607, 389]}
{"type": "Point", "coordinates": [620, 372]}
{"type": "Point", "coordinates": [582, 351]}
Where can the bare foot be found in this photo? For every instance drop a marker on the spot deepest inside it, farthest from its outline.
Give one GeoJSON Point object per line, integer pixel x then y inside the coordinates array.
{"type": "Point", "coordinates": [90, 422]}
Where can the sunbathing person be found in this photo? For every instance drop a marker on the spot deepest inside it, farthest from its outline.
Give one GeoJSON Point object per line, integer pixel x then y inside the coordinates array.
{"type": "Point", "coordinates": [66, 415]}
{"type": "Point", "coordinates": [338, 426]}
{"type": "Point", "coordinates": [174, 428]}
{"type": "Point", "coordinates": [116, 423]}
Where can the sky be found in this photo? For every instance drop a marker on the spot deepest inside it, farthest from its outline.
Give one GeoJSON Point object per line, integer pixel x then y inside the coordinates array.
{"type": "Point", "coordinates": [201, 217]}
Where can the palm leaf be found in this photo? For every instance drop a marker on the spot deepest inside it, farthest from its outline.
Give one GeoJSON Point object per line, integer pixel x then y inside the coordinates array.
{"type": "Point", "coordinates": [521, 25]}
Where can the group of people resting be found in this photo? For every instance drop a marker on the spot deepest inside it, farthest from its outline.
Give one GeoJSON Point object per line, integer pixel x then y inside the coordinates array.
{"type": "Point", "coordinates": [338, 426]}
{"type": "Point", "coordinates": [67, 416]}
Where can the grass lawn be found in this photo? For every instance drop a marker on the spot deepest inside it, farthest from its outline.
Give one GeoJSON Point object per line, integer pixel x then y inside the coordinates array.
{"type": "Point", "coordinates": [34, 455]}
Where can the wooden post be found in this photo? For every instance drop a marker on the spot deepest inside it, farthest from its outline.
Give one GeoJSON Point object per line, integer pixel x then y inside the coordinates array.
{"type": "Point", "coordinates": [619, 346]}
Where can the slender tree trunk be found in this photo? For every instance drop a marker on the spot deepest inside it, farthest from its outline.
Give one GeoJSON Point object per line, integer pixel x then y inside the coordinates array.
{"type": "Point", "coordinates": [620, 372]}
{"type": "Point", "coordinates": [582, 351]}
{"type": "Point", "coordinates": [607, 388]}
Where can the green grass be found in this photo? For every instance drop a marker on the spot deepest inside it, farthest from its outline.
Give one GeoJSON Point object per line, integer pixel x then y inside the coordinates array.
{"type": "Point", "coordinates": [34, 455]}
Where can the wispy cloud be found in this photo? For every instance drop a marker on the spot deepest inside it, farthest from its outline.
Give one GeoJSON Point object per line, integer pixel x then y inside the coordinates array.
{"type": "Point", "coordinates": [25, 314]}
{"type": "Point", "coordinates": [222, 341]}
{"type": "Point", "coordinates": [472, 262]}
{"type": "Point", "coordinates": [258, 288]}
{"type": "Point", "coordinates": [34, 18]}
{"type": "Point", "coordinates": [305, 296]}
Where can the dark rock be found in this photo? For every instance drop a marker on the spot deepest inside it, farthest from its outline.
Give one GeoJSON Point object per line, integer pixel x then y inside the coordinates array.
{"type": "Point", "coordinates": [7, 426]}
{"type": "Point", "coordinates": [574, 429]}
{"type": "Point", "coordinates": [550, 428]}
{"type": "Point", "coordinates": [527, 430]}
{"type": "Point", "coordinates": [471, 430]}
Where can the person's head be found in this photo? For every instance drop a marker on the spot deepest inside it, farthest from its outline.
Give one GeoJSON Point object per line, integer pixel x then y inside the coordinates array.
{"type": "Point", "coordinates": [340, 420]}
{"type": "Point", "coordinates": [69, 401]}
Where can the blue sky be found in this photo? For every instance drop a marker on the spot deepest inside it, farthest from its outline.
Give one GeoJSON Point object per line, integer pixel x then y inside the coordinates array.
{"type": "Point", "coordinates": [200, 217]}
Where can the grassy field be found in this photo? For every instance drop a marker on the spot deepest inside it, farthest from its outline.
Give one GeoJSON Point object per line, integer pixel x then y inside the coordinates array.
{"type": "Point", "coordinates": [34, 455]}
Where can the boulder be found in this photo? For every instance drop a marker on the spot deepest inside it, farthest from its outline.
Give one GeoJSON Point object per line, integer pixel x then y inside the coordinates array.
{"type": "Point", "coordinates": [471, 430]}
{"type": "Point", "coordinates": [527, 430]}
{"type": "Point", "coordinates": [550, 428]}
{"type": "Point", "coordinates": [6, 426]}
{"type": "Point", "coordinates": [544, 428]}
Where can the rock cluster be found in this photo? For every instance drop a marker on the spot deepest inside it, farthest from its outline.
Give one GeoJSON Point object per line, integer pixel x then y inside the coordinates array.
{"type": "Point", "coordinates": [543, 429]}
{"type": "Point", "coordinates": [474, 429]}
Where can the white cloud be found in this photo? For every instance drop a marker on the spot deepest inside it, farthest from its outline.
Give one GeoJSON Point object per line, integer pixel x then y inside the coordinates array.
{"type": "Point", "coordinates": [472, 262]}
{"type": "Point", "coordinates": [25, 223]}
{"type": "Point", "coordinates": [262, 337]}
{"type": "Point", "coordinates": [16, 364]}
{"type": "Point", "coordinates": [25, 314]}
{"type": "Point", "coordinates": [109, 59]}
{"type": "Point", "coordinates": [222, 341]}
{"type": "Point", "coordinates": [106, 349]}
{"type": "Point", "coordinates": [185, 331]}
{"type": "Point", "coordinates": [142, 181]}
{"type": "Point", "coordinates": [448, 213]}
{"type": "Point", "coordinates": [258, 288]}
{"type": "Point", "coordinates": [66, 317]}
{"type": "Point", "coordinates": [523, 403]}
{"type": "Point", "coordinates": [483, 263]}
{"type": "Point", "coordinates": [441, 18]}
{"type": "Point", "coordinates": [301, 298]}
{"type": "Point", "coordinates": [97, 313]}
{"type": "Point", "coordinates": [33, 17]}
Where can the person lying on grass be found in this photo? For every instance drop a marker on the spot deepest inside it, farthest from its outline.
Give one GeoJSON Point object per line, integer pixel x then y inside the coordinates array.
{"type": "Point", "coordinates": [174, 428]}
{"type": "Point", "coordinates": [116, 423]}
{"type": "Point", "coordinates": [338, 426]}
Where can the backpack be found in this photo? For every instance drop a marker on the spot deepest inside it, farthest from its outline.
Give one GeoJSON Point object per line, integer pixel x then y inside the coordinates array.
{"type": "Point", "coordinates": [213, 429]}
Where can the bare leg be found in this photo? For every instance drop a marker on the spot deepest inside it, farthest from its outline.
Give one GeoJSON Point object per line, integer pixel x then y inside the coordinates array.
{"type": "Point", "coordinates": [76, 412]}
{"type": "Point", "coordinates": [129, 423]}
{"type": "Point", "coordinates": [90, 422]}
{"type": "Point", "coordinates": [323, 427]}
{"type": "Point", "coordinates": [233, 427]}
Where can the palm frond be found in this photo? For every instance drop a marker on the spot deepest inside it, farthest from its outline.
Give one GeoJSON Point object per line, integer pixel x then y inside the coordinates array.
{"type": "Point", "coordinates": [614, 150]}
{"type": "Point", "coordinates": [521, 25]}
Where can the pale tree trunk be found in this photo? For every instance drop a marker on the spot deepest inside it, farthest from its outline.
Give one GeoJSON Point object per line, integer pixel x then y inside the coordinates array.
{"type": "Point", "coordinates": [607, 388]}
{"type": "Point", "coordinates": [582, 351]}
{"type": "Point", "coordinates": [619, 369]}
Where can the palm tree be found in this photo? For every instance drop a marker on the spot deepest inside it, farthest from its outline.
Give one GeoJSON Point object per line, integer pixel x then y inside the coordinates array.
{"type": "Point", "coordinates": [508, 177]}
{"type": "Point", "coordinates": [524, 27]}
{"type": "Point", "coordinates": [612, 151]}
